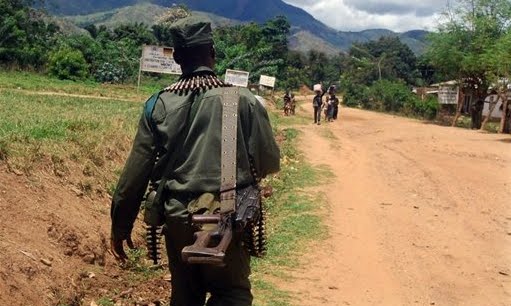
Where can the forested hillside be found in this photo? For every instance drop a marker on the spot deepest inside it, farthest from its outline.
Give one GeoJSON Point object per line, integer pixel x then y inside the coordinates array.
{"type": "Point", "coordinates": [303, 24]}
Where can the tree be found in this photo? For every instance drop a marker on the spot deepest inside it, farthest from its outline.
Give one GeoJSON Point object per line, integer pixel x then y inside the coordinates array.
{"type": "Point", "coordinates": [139, 33]}
{"type": "Point", "coordinates": [260, 49]}
{"type": "Point", "coordinates": [275, 32]}
{"type": "Point", "coordinates": [394, 58]}
{"type": "Point", "coordinates": [316, 66]}
{"type": "Point", "coordinates": [385, 58]}
{"type": "Point", "coordinates": [67, 63]}
{"type": "Point", "coordinates": [498, 60]}
{"type": "Point", "coordinates": [458, 49]}
{"type": "Point", "coordinates": [25, 38]}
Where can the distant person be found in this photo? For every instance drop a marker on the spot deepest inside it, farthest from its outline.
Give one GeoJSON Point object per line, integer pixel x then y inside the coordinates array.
{"type": "Point", "coordinates": [335, 106]}
{"type": "Point", "coordinates": [477, 114]}
{"type": "Point", "coordinates": [287, 104]}
{"type": "Point", "coordinates": [317, 103]}
{"type": "Point", "coordinates": [506, 128]}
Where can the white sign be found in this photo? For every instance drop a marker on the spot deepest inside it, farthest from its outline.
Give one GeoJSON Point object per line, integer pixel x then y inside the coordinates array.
{"type": "Point", "coordinates": [237, 78]}
{"type": "Point", "coordinates": [448, 95]}
{"type": "Point", "coordinates": [159, 59]}
{"type": "Point", "coordinates": [267, 81]}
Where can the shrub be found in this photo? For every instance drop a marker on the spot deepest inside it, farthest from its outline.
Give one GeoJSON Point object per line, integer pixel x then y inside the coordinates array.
{"type": "Point", "coordinates": [66, 63]}
{"type": "Point", "coordinates": [427, 109]}
{"type": "Point", "coordinates": [355, 94]}
{"type": "Point", "coordinates": [390, 96]}
{"type": "Point", "coordinates": [110, 73]}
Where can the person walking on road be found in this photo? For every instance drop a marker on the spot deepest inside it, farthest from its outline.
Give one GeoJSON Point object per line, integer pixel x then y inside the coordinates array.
{"type": "Point", "coordinates": [317, 103]}
{"type": "Point", "coordinates": [181, 130]}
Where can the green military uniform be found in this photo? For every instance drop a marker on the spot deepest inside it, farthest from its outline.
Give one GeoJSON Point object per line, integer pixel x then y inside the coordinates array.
{"type": "Point", "coordinates": [188, 123]}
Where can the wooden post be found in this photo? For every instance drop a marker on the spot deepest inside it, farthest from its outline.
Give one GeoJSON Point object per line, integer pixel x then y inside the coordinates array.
{"type": "Point", "coordinates": [461, 101]}
{"type": "Point", "coordinates": [139, 74]}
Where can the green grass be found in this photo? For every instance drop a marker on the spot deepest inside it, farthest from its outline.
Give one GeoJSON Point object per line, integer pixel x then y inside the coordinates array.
{"type": "Point", "coordinates": [104, 301]}
{"type": "Point", "coordinates": [88, 139]}
{"type": "Point", "coordinates": [279, 119]}
{"type": "Point", "coordinates": [40, 83]}
{"type": "Point", "coordinates": [466, 123]}
{"type": "Point", "coordinates": [294, 220]}
{"type": "Point", "coordinates": [67, 135]}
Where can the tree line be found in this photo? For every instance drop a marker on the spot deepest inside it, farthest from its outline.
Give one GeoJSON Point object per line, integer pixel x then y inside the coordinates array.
{"type": "Point", "coordinates": [29, 40]}
{"type": "Point", "coordinates": [472, 46]}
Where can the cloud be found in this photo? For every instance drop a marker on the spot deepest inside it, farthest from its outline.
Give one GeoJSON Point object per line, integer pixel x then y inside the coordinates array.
{"type": "Point", "coordinates": [397, 7]}
{"type": "Point", "coordinates": [356, 15]}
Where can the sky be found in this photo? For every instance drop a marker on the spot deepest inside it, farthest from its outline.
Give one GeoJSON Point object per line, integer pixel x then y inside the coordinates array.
{"type": "Point", "coordinates": [357, 15]}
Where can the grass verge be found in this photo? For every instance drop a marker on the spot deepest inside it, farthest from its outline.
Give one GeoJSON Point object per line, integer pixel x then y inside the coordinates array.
{"type": "Point", "coordinates": [86, 140]}
{"type": "Point", "coordinates": [39, 83]}
{"type": "Point", "coordinates": [68, 136]}
{"type": "Point", "coordinates": [294, 220]}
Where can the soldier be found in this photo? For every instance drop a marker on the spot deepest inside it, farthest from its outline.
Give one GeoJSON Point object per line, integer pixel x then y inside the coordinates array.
{"type": "Point", "coordinates": [183, 123]}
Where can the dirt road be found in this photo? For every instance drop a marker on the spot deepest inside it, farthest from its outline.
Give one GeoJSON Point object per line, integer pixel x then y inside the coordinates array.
{"type": "Point", "coordinates": [419, 214]}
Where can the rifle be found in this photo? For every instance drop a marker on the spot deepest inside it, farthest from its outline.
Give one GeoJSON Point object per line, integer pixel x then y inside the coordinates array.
{"type": "Point", "coordinates": [210, 246]}
{"type": "Point", "coordinates": [239, 208]}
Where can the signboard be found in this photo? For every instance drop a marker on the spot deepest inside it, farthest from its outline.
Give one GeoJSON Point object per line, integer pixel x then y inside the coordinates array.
{"type": "Point", "coordinates": [448, 95]}
{"type": "Point", "coordinates": [159, 59]}
{"type": "Point", "coordinates": [237, 78]}
{"type": "Point", "coordinates": [267, 81]}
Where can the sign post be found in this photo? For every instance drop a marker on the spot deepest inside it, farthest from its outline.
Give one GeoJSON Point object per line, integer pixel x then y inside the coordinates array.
{"type": "Point", "coordinates": [159, 60]}
{"type": "Point", "coordinates": [268, 81]}
{"type": "Point", "coordinates": [448, 95]}
{"type": "Point", "coordinates": [237, 77]}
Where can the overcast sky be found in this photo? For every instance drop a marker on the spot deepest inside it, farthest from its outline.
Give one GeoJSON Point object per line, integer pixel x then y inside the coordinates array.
{"type": "Point", "coordinates": [356, 15]}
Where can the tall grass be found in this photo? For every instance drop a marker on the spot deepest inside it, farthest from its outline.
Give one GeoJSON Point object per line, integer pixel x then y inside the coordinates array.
{"type": "Point", "coordinates": [66, 135]}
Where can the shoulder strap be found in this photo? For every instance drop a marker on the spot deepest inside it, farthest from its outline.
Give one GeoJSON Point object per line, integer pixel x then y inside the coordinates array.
{"type": "Point", "coordinates": [229, 149]}
{"type": "Point", "coordinates": [149, 108]}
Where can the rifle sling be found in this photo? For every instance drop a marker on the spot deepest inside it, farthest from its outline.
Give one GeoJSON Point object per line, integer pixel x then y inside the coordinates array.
{"type": "Point", "coordinates": [229, 150]}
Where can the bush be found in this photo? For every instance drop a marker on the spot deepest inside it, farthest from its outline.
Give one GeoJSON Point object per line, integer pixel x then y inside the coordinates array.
{"type": "Point", "coordinates": [110, 73]}
{"type": "Point", "coordinates": [66, 63]}
{"type": "Point", "coordinates": [390, 96]}
{"type": "Point", "coordinates": [427, 109]}
{"type": "Point", "coordinates": [355, 95]}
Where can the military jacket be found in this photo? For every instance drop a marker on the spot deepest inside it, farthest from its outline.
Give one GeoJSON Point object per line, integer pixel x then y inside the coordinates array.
{"type": "Point", "coordinates": [189, 125]}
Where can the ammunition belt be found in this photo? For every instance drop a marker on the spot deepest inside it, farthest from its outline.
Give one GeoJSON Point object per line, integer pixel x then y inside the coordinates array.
{"type": "Point", "coordinates": [255, 234]}
{"type": "Point", "coordinates": [200, 82]}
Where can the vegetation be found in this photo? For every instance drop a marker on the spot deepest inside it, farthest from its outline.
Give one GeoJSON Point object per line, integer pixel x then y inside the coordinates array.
{"type": "Point", "coordinates": [294, 218]}
{"type": "Point", "coordinates": [379, 75]}
{"type": "Point", "coordinates": [471, 45]}
{"type": "Point", "coordinates": [86, 144]}
{"type": "Point", "coordinates": [464, 46]}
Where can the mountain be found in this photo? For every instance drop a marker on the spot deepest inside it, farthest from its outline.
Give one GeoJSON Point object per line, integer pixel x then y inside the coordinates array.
{"type": "Point", "coordinates": [306, 32]}
{"type": "Point", "coordinates": [146, 13]}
